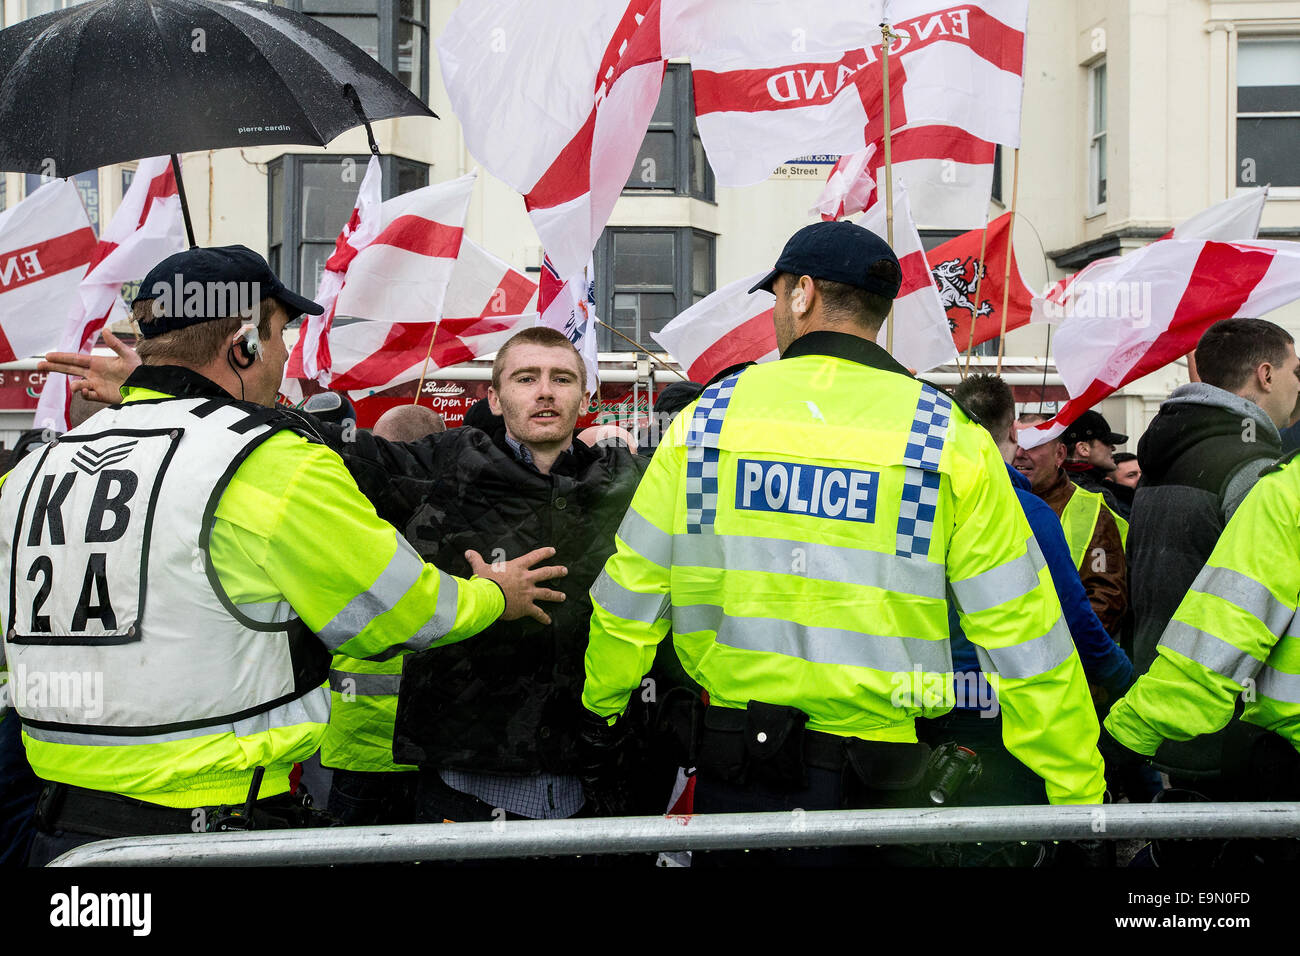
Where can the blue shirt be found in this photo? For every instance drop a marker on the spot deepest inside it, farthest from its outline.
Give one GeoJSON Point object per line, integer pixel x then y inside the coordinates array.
{"type": "Point", "coordinates": [1103, 661]}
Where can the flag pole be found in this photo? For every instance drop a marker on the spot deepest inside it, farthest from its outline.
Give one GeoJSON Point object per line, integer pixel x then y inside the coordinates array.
{"type": "Point", "coordinates": [979, 276]}
{"type": "Point", "coordinates": [425, 371]}
{"type": "Point", "coordinates": [1006, 276]}
{"type": "Point", "coordinates": [642, 348]}
{"type": "Point", "coordinates": [886, 37]}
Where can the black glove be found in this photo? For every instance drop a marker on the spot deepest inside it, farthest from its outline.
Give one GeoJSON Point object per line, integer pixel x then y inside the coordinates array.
{"type": "Point", "coordinates": [1116, 754]}
{"type": "Point", "coordinates": [601, 752]}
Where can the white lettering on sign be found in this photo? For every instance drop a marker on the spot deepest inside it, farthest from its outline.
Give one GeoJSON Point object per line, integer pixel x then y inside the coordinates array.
{"type": "Point", "coordinates": [845, 494]}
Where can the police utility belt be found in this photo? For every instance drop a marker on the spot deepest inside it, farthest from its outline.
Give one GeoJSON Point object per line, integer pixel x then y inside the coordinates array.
{"type": "Point", "coordinates": [64, 807]}
{"type": "Point", "coordinates": [769, 745]}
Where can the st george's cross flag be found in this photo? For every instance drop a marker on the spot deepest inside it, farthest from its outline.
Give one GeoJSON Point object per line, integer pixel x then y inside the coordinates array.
{"type": "Point", "coordinates": [146, 229]}
{"type": "Point", "coordinates": [46, 243]}
{"type": "Point", "coordinates": [761, 100]}
{"type": "Point", "coordinates": [1132, 315]}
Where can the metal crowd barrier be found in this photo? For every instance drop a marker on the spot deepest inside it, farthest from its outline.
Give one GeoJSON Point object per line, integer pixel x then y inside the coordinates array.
{"type": "Point", "coordinates": [724, 831]}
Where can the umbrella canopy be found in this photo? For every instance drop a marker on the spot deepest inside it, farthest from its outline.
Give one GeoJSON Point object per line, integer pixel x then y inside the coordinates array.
{"type": "Point", "coordinates": [113, 80]}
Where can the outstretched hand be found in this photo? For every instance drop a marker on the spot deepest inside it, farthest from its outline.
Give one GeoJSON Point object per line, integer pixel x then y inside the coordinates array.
{"type": "Point", "coordinates": [519, 582]}
{"type": "Point", "coordinates": [97, 377]}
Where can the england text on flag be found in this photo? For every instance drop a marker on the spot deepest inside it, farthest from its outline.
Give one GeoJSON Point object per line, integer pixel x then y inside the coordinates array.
{"type": "Point", "coordinates": [1135, 314]}
{"type": "Point", "coordinates": [554, 99]}
{"type": "Point", "coordinates": [487, 302]}
{"type": "Point", "coordinates": [758, 102]}
{"type": "Point", "coordinates": [729, 327]}
{"type": "Point", "coordinates": [45, 245]}
{"type": "Point", "coordinates": [146, 229]}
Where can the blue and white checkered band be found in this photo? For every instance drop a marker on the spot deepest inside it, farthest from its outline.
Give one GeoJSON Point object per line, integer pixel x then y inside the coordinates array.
{"type": "Point", "coordinates": [702, 455]}
{"type": "Point", "coordinates": [921, 481]}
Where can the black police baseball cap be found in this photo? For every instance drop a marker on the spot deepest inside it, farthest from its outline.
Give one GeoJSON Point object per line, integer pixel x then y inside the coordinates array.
{"type": "Point", "coordinates": [228, 276]}
{"type": "Point", "coordinates": [1091, 425]}
{"type": "Point", "coordinates": [840, 252]}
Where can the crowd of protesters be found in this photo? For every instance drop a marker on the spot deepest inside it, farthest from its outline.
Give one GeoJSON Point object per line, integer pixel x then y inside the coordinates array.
{"type": "Point", "coordinates": [495, 727]}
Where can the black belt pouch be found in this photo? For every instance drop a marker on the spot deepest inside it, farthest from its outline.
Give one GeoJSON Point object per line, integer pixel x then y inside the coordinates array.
{"type": "Point", "coordinates": [774, 742]}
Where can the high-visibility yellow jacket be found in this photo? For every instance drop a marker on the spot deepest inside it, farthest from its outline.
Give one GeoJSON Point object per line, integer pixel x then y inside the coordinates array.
{"type": "Point", "coordinates": [363, 715]}
{"type": "Point", "coordinates": [291, 528]}
{"type": "Point", "coordinates": [1079, 521]}
{"type": "Point", "coordinates": [1236, 633]}
{"type": "Point", "coordinates": [798, 530]}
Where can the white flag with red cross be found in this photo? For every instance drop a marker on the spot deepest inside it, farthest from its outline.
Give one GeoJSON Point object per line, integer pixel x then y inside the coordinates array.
{"type": "Point", "coordinates": [312, 356]}
{"type": "Point", "coordinates": [922, 335]}
{"type": "Point", "coordinates": [46, 243]}
{"type": "Point", "coordinates": [728, 327]}
{"type": "Point", "coordinates": [1130, 316]}
{"type": "Point", "coordinates": [487, 302]}
{"type": "Point", "coordinates": [146, 229]}
{"type": "Point", "coordinates": [948, 174]}
{"type": "Point", "coordinates": [761, 99]}
{"type": "Point", "coordinates": [392, 264]}
{"type": "Point", "coordinates": [1235, 219]}
{"type": "Point", "coordinates": [554, 99]}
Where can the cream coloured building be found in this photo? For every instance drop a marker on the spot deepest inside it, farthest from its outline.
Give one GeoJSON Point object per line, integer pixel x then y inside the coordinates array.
{"type": "Point", "coordinates": [1137, 114]}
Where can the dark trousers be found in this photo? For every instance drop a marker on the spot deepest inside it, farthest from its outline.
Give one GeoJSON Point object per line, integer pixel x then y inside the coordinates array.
{"type": "Point", "coordinates": [62, 809]}
{"type": "Point", "coordinates": [826, 790]}
{"type": "Point", "coordinates": [19, 788]}
{"type": "Point", "coordinates": [362, 799]}
{"type": "Point", "coordinates": [1003, 782]}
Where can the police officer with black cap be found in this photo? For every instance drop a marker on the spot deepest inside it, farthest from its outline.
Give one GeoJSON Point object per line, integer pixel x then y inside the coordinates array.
{"type": "Point", "coordinates": [185, 562]}
{"type": "Point", "coordinates": [799, 530]}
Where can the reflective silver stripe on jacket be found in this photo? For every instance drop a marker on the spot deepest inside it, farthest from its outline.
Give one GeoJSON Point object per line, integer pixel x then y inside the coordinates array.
{"type": "Point", "coordinates": [1007, 582]}
{"type": "Point", "coordinates": [1278, 685]}
{"type": "Point", "coordinates": [365, 685]}
{"type": "Point", "coordinates": [1212, 652]}
{"type": "Point", "coordinates": [822, 562]}
{"type": "Point", "coordinates": [311, 708]}
{"type": "Point", "coordinates": [403, 570]}
{"type": "Point", "coordinates": [646, 540]}
{"type": "Point", "coordinates": [1247, 594]}
{"type": "Point", "coordinates": [819, 645]}
{"type": "Point", "coordinates": [629, 605]}
{"type": "Point", "coordinates": [436, 628]}
{"type": "Point", "coordinates": [1029, 658]}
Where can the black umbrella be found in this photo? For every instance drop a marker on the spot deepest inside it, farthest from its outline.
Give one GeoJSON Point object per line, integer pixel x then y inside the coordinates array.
{"type": "Point", "coordinates": [114, 80]}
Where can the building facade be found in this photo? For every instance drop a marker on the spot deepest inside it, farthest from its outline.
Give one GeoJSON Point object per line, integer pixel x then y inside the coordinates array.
{"type": "Point", "coordinates": [1137, 114]}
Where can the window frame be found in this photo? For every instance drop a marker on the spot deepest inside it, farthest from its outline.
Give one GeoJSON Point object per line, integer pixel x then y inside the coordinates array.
{"type": "Point", "coordinates": [683, 288]}
{"type": "Point", "coordinates": [1097, 140]}
{"type": "Point", "coordinates": [290, 166]}
{"type": "Point", "coordinates": [1235, 115]}
{"type": "Point", "coordinates": [389, 15]}
{"type": "Point", "coordinates": [685, 134]}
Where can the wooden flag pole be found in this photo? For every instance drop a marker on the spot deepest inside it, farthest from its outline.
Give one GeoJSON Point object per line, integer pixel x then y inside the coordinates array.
{"type": "Point", "coordinates": [979, 276]}
{"type": "Point", "coordinates": [1006, 276]}
{"type": "Point", "coordinates": [425, 371]}
{"type": "Point", "coordinates": [642, 348]}
{"type": "Point", "coordinates": [886, 37]}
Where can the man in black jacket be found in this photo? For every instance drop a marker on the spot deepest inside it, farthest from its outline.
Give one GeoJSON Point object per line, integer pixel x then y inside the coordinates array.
{"type": "Point", "coordinates": [1201, 454]}
{"type": "Point", "coordinates": [496, 726]}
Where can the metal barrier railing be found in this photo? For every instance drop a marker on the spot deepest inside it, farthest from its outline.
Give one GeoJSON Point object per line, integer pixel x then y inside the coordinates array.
{"type": "Point", "coordinates": [723, 831]}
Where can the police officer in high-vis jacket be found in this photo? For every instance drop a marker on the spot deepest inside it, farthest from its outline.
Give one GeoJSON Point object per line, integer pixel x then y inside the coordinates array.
{"type": "Point", "coordinates": [1234, 640]}
{"type": "Point", "coordinates": [183, 565]}
{"type": "Point", "coordinates": [799, 531]}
